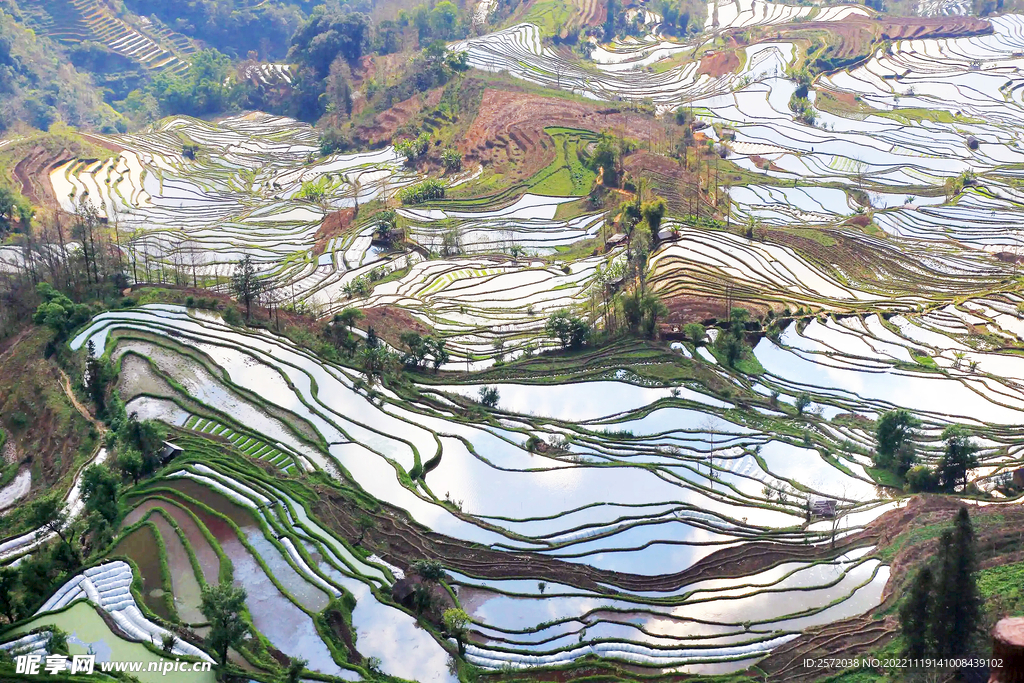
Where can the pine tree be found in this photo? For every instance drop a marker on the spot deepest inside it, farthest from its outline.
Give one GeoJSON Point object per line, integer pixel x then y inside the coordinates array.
{"type": "Point", "coordinates": [966, 611]}
{"type": "Point", "coordinates": [247, 285]}
{"type": "Point", "coordinates": [915, 614]}
{"type": "Point", "coordinates": [940, 631]}
{"type": "Point", "coordinates": [957, 611]}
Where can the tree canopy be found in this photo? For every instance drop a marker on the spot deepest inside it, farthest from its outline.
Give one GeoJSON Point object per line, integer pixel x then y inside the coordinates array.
{"type": "Point", "coordinates": [960, 457]}
{"type": "Point", "coordinates": [223, 605]}
{"type": "Point", "coordinates": [895, 434]}
{"type": "Point", "coordinates": [205, 88]}
{"type": "Point", "coordinates": [328, 34]}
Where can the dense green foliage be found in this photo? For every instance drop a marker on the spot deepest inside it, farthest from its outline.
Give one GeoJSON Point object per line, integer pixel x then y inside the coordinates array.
{"type": "Point", "coordinates": [895, 434]}
{"type": "Point", "coordinates": [58, 312]}
{"type": "Point", "coordinates": [960, 457]}
{"type": "Point", "coordinates": [223, 605]}
{"type": "Point", "coordinates": [39, 85]}
{"type": "Point", "coordinates": [429, 189]}
{"type": "Point", "coordinates": [327, 35]}
{"type": "Point", "coordinates": [204, 89]}
{"type": "Point", "coordinates": [233, 27]}
{"type": "Point", "coordinates": [572, 331]}
{"type": "Point", "coordinates": [942, 613]}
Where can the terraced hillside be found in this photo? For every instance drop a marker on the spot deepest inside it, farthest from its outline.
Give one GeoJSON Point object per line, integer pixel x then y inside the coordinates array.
{"type": "Point", "coordinates": [75, 21]}
{"type": "Point", "coordinates": [577, 375]}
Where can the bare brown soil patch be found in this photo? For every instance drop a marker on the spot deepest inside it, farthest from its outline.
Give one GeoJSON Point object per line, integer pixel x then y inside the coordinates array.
{"type": "Point", "coordinates": [840, 96]}
{"type": "Point", "coordinates": [386, 124]}
{"type": "Point", "coordinates": [671, 180]}
{"type": "Point", "coordinates": [388, 322]}
{"type": "Point", "coordinates": [40, 420]}
{"type": "Point", "coordinates": [341, 629]}
{"type": "Point", "coordinates": [33, 174]}
{"type": "Point", "coordinates": [333, 225]}
{"type": "Point", "coordinates": [718, 63]}
{"type": "Point", "coordinates": [592, 12]}
{"type": "Point", "coordinates": [508, 131]}
{"type": "Point", "coordinates": [855, 35]}
{"type": "Point", "coordinates": [105, 143]}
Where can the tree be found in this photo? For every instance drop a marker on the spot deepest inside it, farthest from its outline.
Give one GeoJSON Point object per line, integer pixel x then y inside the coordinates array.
{"type": "Point", "coordinates": [386, 226]}
{"type": "Point", "coordinates": [803, 401]}
{"type": "Point", "coordinates": [642, 310]}
{"type": "Point", "coordinates": [129, 462]}
{"type": "Point", "coordinates": [205, 88]}
{"type": "Point", "coordinates": [49, 514]}
{"type": "Point", "coordinates": [100, 492]}
{"type": "Point", "coordinates": [146, 436]}
{"type": "Point", "coordinates": [246, 285]}
{"type": "Point", "coordinates": [422, 598]}
{"type": "Point", "coordinates": [915, 615]}
{"type": "Point", "coordinates": [58, 312]}
{"type": "Point", "coordinates": [8, 582]}
{"type": "Point", "coordinates": [489, 396]}
{"type": "Point", "coordinates": [295, 668]}
{"type": "Point", "coordinates": [455, 621]}
{"type": "Point", "coordinates": [418, 349]}
{"type": "Point", "coordinates": [443, 19]}
{"type": "Point", "coordinates": [572, 331]}
{"type": "Point", "coordinates": [960, 457]}
{"type": "Point", "coordinates": [328, 34]}
{"type": "Point", "coordinates": [895, 434]}
{"type": "Point", "coordinates": [223, 604]}
{"type": "Point", "coordinates": [438, 352]}
{"type": "Point", "coordinates": [604, 160]}
{"type": "Point", "coordinates": [695, 331]}
{"type": "Point", "coordinates": [376, 361]}
{"type": "Point", "coordinates": [653, 211]}
{"type": "Point", "coordinates": [921, 478]}
{"type": "Point", "coordinates": [348, 318]}
{"type": "Point", "coordinates": [429, 570]}
{"type": "Point", "coordinates": [956, 615]}
{"type": "Point", "coordinates": [97, 377]}
{"type": "Point", "coordinates": [732, 341]}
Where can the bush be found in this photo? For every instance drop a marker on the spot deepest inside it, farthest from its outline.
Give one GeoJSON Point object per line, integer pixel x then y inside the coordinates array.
{"type": "Point", "coordinates": [489, 396]}
{"type": "Point", "coordinates": [572, 331]}
{"type": "Point", "coordinates": [426, 191]}
{"type": "Point", "coordinates": [451, 159]}
{"type": "Point", "coordinates": [232, 316]}
{"type": "Point", "coordinates": [922, 478]}
{"type": "Point", "coordinates": [414, 149]}
{"type": "Point", "coordinates": [695, 332]}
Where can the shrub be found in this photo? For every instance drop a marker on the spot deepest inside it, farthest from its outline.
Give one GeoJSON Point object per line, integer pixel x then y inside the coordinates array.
{"type": "Point", "coordinates": [489, 396]}
{"type": "Point", "coordinates": [413, 149]}
{"type": "Point", "coordinates": [695, 332]}
{"type": "Point", "coordinates": [451, 159]}
{"type": "Point", "coordinates": [572, 331]}
{"type": "Point", "coordinates": [922, 478]}
{"type": "Point", "coordinates": [232, 316]}
{"type": "Point", "coordinates": [426, 191]}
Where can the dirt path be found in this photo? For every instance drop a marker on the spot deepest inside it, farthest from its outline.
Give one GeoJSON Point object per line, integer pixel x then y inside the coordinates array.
{"type": "Point", "coordinates": [65, 384]}
{"type": "Point", "coordinates": [14, 343]}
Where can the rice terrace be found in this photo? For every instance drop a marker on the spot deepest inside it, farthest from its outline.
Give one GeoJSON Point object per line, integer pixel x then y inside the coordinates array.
{"type": "Point", "coordinates": [495, 341]}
